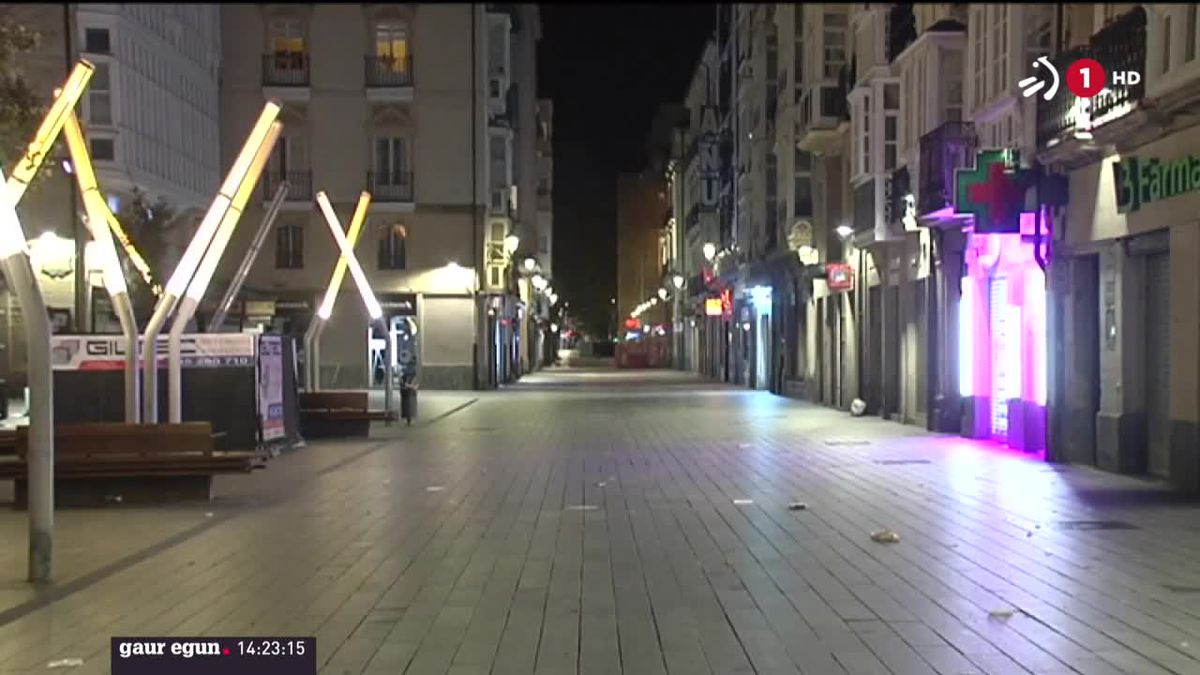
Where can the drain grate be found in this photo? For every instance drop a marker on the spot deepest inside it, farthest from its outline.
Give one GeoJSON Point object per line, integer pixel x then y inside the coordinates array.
{"type": "Point", "coordinates": [901, 462]}
{"type": "Point", "coordinates": [1188, 590]}
{"type": "Point", "coordinates": [1096, 525]}
{"type": "Point", "coordinates": [835, 444]}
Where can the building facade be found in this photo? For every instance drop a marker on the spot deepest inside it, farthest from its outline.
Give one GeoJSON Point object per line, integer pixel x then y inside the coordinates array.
{"type": "Point", "coordinates": [432, 126]}
{"type": "Point", "coordinates": [915, 234]}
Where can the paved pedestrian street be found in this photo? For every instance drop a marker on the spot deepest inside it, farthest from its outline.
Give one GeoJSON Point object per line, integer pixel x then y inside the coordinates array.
{"type": "Point", "coordinates": [596, 521]}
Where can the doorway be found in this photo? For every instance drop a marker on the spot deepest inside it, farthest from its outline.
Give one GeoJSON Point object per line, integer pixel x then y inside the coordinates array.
{"type": "Point", "coordinates": [1158, 364]}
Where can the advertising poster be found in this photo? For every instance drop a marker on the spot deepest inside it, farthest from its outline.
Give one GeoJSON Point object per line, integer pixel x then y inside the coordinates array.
{"type": "Point", "coordinates": [270, 386]}
{"type": "Point", "coordinates": [107, 352]}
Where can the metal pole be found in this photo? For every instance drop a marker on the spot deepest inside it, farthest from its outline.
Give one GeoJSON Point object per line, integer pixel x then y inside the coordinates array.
{"type": "Point", "coordinates": [235, 286]}
{"type": "Point", "coordinates": [166, 303]}
{"type": "Point", "coordinates": [387, 368]}
{"type": "Point", "coordinates": [40, 456]}
{"type": "Point", "coordinates": [310, 355]}
{"type": "Point", "coordinates": [187, 309]}
{"type": "Point", "coordinates": [124, 309]}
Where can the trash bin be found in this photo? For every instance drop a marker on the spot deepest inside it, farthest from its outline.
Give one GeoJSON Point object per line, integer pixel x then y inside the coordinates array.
{"type": "Point", "coordinates": [408, 403]}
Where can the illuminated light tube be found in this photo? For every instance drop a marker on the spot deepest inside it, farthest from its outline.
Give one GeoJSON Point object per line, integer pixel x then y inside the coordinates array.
{"type": "Point", "coordinates": [182, 276]}
{"type": "Point", "coordinates": [339, 270]}
{"type": "Point", "coordinates": [12, 236]}
{"type": "Point", "coordinates": [47, 133]}
{"type": "Point", "coordinates": [135, 256]}
{"type": "Point", "coordinates": [360, 279]}
{"type": "Point", "coordinates": [95, 207]}
{"type": "Point", "coordinates": [212, 257]}
{"type": "Point", "coordinates": [966, 341]}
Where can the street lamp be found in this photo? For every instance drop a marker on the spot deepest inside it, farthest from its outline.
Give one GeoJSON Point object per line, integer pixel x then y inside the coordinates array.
{"type": "Point", "coordinates": [511, 242]}
{"type": "Point", "coordinates": [530, 264]}
{"type": "Point", "coordinates": [662, 293]}
{"type": "Point", "coordinates": [539, 282]}
{"type": "Point", "coordinates": [678, 281]}
{"type": "Point", "coordinates": [844, 231]}
{"type": "Point", "coordinates": [710, 251]}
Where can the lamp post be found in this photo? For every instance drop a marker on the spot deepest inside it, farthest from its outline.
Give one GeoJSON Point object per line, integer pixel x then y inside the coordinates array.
{"type": "Point", "coordinates": [178, 283]}
{"type": "Point", "coordinates": [14, 261]}
{"type": "Point", "coordinates": [114, 277]}
{"type": "Point", "coordinates": [312, 336]}
{"type": "Point", "coordinates": [206, 269]}
{"type": "Point", "coordinates": [374, 311]}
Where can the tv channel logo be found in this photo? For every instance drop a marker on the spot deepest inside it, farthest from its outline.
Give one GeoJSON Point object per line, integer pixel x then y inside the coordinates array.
{"type": "Point", "coordinates": [1084, 77]}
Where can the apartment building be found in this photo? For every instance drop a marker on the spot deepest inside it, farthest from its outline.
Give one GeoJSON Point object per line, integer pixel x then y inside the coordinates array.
{"type": "Point", "coordinates": [1125, 296]}
{"type": "Point", "coordinates": [424, 106]}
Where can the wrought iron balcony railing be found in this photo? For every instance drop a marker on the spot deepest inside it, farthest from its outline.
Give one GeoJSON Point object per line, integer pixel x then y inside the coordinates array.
{"type": "Point", "coordinates": [285, 69]}
{"type": "Point", "coordinates": [946, 148]}
{"type": "Point", "coordinates": [299, 184]}
{"type": "Point", "coordinates": [393, 186]}
{"type": "Point", "coordinates": [1119, 46]}
{"type": "Point", "coordinates": [388, 71]}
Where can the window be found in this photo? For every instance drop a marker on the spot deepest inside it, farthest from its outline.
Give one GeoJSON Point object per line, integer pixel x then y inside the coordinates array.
{"type": "Point", "coordinates": [999, 49]}
{"type": "Point", "coordinates": [863, 135]}
{"type": "Point", "coordinates": [979, 63]}
{"type": "Point", "coordinates": [891, 122]}
{"type": "Point", "coordinates": [103, 149]}
{"type": "Point", "coordinates": [802, 205]}
{"type": "Point", "coordinates": [290, 155]}
{"type": "Point", "coordinates": [96, 41]}
{"type": "Point", "coordinates": [287, 35]}
{"type": "Point", "coordinates": [1041, 29]}
{"type": "Point", "coordinates": [1166, 52]}
{"type": "Point", "coordinates": [835, 43]}
{"type": "Point", "coordinates": [289, 246]}
{"type": "Point", "coordinates": [100, 95]}
{"type": "Point", "coordinates": [1189, 51]}
{"type": "Point", "coordinates": [952, 83]}
{"type": "Point", "coordinates": [391, 45]}
{"type": "Point", "coordinates": [392, 161]}
{"type": "Point", "coordinates": [392, 250]}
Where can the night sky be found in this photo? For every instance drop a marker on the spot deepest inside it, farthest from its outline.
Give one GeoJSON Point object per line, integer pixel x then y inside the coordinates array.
{"type": "Point", "coordinates": [607, 68]}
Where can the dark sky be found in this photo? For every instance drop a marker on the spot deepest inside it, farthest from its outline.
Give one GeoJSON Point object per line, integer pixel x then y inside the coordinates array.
{"type": "Point", "coordinates": [607, 68]}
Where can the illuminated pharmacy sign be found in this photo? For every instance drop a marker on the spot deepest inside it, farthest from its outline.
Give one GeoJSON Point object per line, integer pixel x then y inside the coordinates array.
{"type": "Point", "coordinates": [1140, 181]}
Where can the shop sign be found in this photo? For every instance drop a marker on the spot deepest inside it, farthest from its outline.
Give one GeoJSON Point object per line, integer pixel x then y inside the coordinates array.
{"type": "Point", "coordinates": [839, 276]}
{"type": "Point", "coordinates": [712, 307]}
{"type": "Point", "coordinates": [404, 304]}
{"type": "Point", "coordinates": [727, 302]}
{"type": "Point", "coordinates": [1140, 181]}
{"type": "Point", "coordinates": [993, 191]}
{"type": "Point", "coordinates": [107, 352]}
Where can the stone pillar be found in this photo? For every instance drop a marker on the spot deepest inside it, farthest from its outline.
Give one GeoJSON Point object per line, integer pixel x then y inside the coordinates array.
{"type": "Point", "coordinates": [1185, 358]}
{"type": "Point", "coordinates": [1121, 422]}
{"type": "Point", "coordinates": [946, 411]}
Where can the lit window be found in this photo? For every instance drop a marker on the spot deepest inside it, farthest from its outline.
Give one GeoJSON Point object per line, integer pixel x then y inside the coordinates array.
{"type": "Point", "coordinates": [392, 246]}
{"type": "Point", "coordinates": [287, 35]}
{"type": "Point", "coordinates": [391, 46]}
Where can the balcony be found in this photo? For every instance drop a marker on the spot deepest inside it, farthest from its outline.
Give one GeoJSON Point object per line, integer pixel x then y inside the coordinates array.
{"type": "Point", "coordinates": [285, 75]}
{"type": "Point", "coordinates": [1065, 122]}
{"type": "Point", "coordinates": [946, 148]}
{"type": "Point", "coordinates": [299, 186]}
{"type": "Point", "coordinates": [391, 188]}
{"type": "Point", "coordinates": [822, 110]}
{"type": "Point", "coordinates": [388, 78]}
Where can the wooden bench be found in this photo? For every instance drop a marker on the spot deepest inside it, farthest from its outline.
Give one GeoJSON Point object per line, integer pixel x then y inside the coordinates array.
{"type": "Point", "coordinates": [98, 462]}
{"type": "Point", "coordinates": [338, 414]}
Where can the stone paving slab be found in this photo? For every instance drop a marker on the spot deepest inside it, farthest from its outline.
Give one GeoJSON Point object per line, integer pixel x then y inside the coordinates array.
{"type": "Point", "coordinates": [590, 520]}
